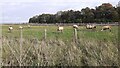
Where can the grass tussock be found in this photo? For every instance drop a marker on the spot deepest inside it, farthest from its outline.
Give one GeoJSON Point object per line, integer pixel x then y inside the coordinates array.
{"type": "Point", "coordinates": [59, 53]}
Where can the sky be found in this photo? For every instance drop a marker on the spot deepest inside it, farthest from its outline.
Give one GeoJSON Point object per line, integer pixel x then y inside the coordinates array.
{"type": "Point", "coordinates": [19, 11]}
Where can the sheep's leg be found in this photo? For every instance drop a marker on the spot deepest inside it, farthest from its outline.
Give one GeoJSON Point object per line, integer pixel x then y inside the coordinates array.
{"type": "Point", "coordinates": [101, 29]}
{"type": "Point", "coordinates": [61, 31]}
{"type": "Point", "coordinates": [110, 29]}
{"type": "Point", "coordinates": [9, 31]}
{"type": "Point", "coordinates": [94, 29]}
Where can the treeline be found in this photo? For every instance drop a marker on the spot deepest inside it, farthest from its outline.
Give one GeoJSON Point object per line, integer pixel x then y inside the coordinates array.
{"type": "Point", "coordinates": [103, 13]}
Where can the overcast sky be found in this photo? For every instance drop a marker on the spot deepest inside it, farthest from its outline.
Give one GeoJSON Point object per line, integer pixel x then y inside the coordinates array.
{"type": "Point", "coordinates": [18, 11]}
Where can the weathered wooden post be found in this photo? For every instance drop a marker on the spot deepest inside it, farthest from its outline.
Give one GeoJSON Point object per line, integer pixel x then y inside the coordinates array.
{"type": "Point", "coordinates": [45, 34]}
{"type": "Point", "coordinates": [38, 54]}
{"type": "Point", "coordinates": [0, 46]}
{"type": "Point", "coordinates": [21, 46]}
{"type": "Point", "coordinates": [75, 35]}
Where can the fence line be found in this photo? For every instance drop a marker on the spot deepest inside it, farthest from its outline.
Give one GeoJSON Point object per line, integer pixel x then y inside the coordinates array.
{"type": "Point", "coordinates": [45, 37]}
{"type": "Point", "coordinates": [70, 24]}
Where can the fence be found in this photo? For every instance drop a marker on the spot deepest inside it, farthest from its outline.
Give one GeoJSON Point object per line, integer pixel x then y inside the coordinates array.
{"type": "Point", "coordinates": [67, 24]}
{"type": "Point", "coordinates": [21, 52]}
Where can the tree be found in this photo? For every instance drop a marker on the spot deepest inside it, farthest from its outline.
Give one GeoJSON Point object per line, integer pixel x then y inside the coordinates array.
{"type": "Point", "coordinates": [106, 12]}
{"type": "Point", "coordinates": [103, 13]}
{"type": "Point", "coordinates": [34, 19]}
{"type": "Point", "coordinates": [118, 9]}
{"type": "Point", "coordinates": [87, 15]}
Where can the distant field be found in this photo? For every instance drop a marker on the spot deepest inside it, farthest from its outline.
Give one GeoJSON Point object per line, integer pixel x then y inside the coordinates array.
{"type": "Point", "coordinates": [93, 47]}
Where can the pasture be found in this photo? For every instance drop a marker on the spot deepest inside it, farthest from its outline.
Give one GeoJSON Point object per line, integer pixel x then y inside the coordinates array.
{"type": "Point", "coordinates": [92, 47]}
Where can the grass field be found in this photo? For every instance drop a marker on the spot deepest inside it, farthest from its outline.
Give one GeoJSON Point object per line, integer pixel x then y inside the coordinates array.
{"type": "Point", "coordinates": [93, 47]}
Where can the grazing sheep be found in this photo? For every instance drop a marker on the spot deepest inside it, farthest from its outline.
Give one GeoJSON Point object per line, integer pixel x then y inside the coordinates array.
{"type": "Point", "coordinates": [75, 26]}
{"type": "Point", "coordinates": [106, 28]}
{"type": "Point", "coordinates": [10, 28]}
{"type": "Point", "coordinates": [20, 27]}
{"type": "Point", "coordinates": [60, 28]}
{"type": "Point", "coordinates": [29, 26]}
{"type": "Point", "coordinates": [90, 26]}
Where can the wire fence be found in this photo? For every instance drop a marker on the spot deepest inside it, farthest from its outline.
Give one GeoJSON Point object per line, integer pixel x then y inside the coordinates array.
{"type": "Point", "coordinates": [21, 51]}
{"type": "Point", "coordinates": [35, 52]}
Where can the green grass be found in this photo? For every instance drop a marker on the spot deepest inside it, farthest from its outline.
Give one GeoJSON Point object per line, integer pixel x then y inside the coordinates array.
{"type": "Point", "coordinates": [38, 31]}
{"type": "Point", "coordinates": [93, 47]}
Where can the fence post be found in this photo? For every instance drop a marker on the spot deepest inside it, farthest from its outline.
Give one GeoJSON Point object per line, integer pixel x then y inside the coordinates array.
{"type": "Point", "coordinates": [0, 46]}
{"type": "Point", "coordinates": [20, 47]}
{"type": "Point", "coordinates": [38, 54]}
{"type": "Point", "coordinates": [75, 35]}
{"type": "Point", "coordinates": [45, 34]}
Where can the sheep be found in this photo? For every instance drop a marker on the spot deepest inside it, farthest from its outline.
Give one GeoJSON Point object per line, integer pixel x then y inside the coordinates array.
{"type": "Point", "coordinates": [10, 28]}
{"type": "Point", "coordinates": [20, 27]}
{"type": "Point", "coordinates": [75, 26]}
{"type": "Point", "coordinates": [60, 28]}
{"type": "Point", "coordinates": [106, 28]}
{"type": "Point", "coordinates": [29, 26]}
{"type": "Point", "coordinates": [90, 26]}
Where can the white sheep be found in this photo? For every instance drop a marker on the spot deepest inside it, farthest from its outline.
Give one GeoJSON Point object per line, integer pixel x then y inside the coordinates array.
{"type": "Point", "coordinates": [20, 27]}
{"type": "Point", "coordinates": [10, 28]}
{"type": "Point", "coordinates": [90, 26]}
{"type": "Point", "coordinates": [29, 26]}
{"type": "Point", "coordinates": [106, 28]}
{"type": "Point", "coordinates": [75, 26]}
{"type": "Point", "coordinates": [60, 28]}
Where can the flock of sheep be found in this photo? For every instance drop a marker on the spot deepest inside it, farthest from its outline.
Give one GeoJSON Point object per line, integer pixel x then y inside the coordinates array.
{"type": "Point", "coordinates": [10, 28]}
{"type": "Point", "coordinates": [93, 26]}
{"type": "Point", "coordinates": [61, 28]}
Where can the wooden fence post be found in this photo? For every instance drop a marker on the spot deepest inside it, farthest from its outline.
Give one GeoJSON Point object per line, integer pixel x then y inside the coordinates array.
{"type": "Point", "coordinates": [75, 35]}
{"type": "Point", "coordinates": [0, 46]}
{"type": "Point", "coordinates": [45, 34]}
{"type": "Point", "coordinates": [20, 47]}
{"type": "Point", "coordinates": [38, 55]}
